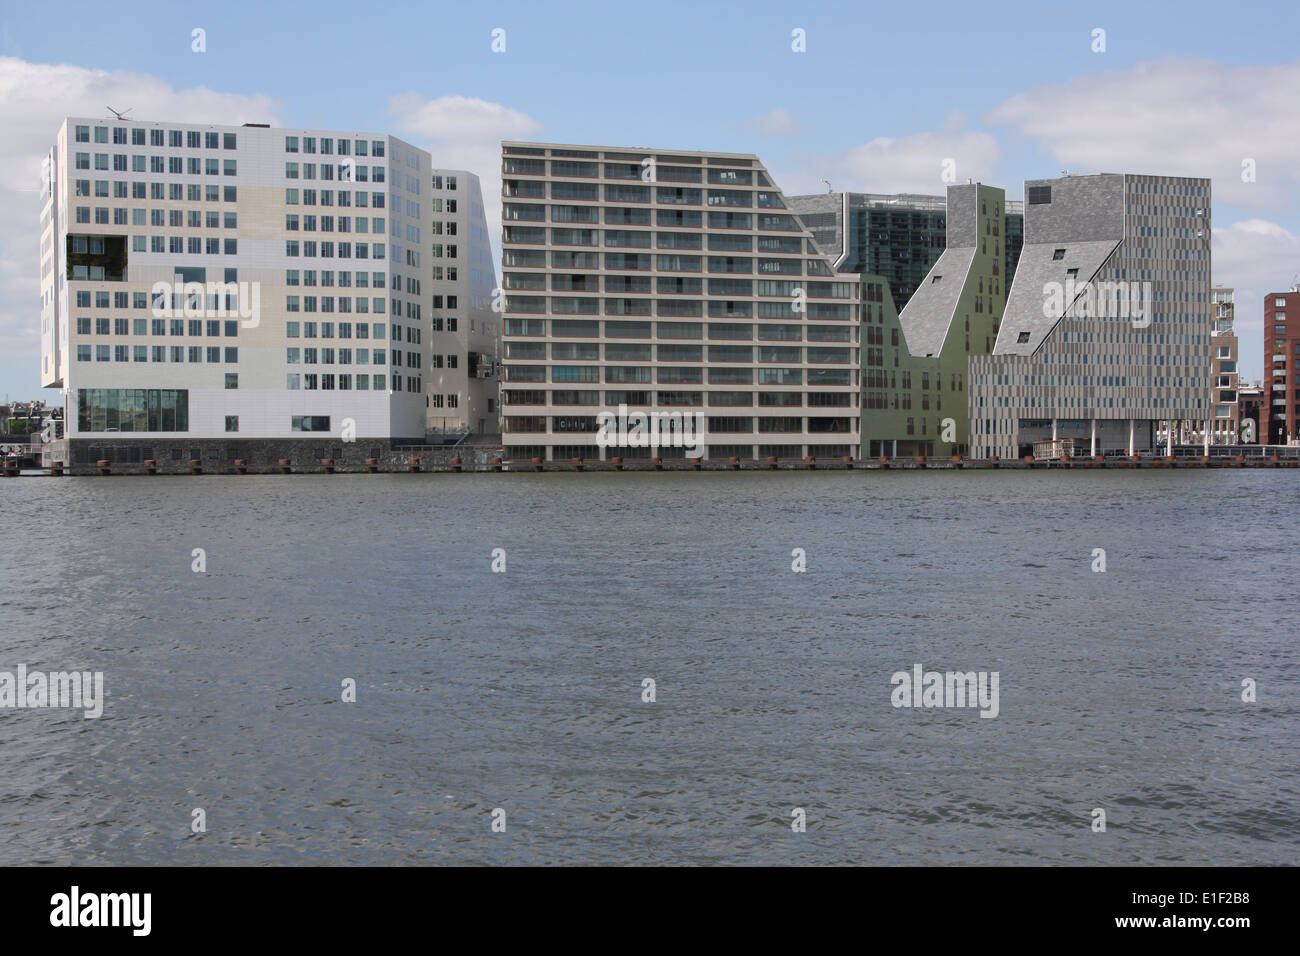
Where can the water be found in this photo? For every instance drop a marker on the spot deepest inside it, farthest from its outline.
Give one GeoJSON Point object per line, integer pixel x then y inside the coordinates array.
{"type": "Point", "coordinates": [1118, 690]}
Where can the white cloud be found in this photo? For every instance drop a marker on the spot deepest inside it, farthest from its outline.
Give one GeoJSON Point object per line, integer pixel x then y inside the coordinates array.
{"type": "Point", "coordinates": [34, 99]}
{"type": "Point", "coordinates": [464, 132]}
{"type": "Point", "coordinates": [1179, 116]}
{"type": "Point", "coordinates": [915, 163]}
{"type": "Point", "coordinates": [458, 119]}
{"type": "Point", "coordinates": [778, 122]}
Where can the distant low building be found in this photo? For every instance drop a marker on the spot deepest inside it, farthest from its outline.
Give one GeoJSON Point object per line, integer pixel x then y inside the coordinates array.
{"type": "Point", "coordinates": [1226, 428]}
{"type": "Point", "coordinates": [1252, 402]}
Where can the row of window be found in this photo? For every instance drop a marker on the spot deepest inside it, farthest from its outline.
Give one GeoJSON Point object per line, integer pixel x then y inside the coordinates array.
{"type": "Point", "coordinates": [133, 409]}
{"type": "Point", "coordinates": [663, 375]}
{"type": "Point", "coordinates": [717, 375]}
{"type": "Point", "coordinates": [311, 249]}
{"type": "Point", "coordinates": [120, 326]}
{"type": "Point", "coordinates": [345, 172]}
{"type": "Point", "coordinates": [174, 245]}
{"type": "Point", "coordinates": [738, 198]}
{"type": "Point", "coordinates": [159, 353]}
{"type": "Point", "coordinates": [1094, 401]}
{"type": "Point", "coordinates": [642, 169]}
{"type": "Point", "coordinates": [717, 242]}
{"type": "Point", "coordinates": [665, 308]}
{"type": "Point", "coordinates": [343, 304]}
{"type": "Point", "coordinates": [171, 192]}
{"type": "Point", "coordinates": [326, 356]}
{"type": "Point", "coordinates": [190, 218]}
{"type": "Point", "coordinates": [786, 289]}
{"type": "Point", "coordinates": [310, 223]}
{"type": "Point", "coordinates": [771, 332]}
{"type": "Point", "coordinates": [591, 451]}
{"type": "Point", "coordinates": [342, 198]}
{"type": "Point", "coordinates": [345, 279]}
{"type": "Point", "coordinates": [882, 379]}
{"type": "Point", "coordinates": [175, 138]}
{"type": "Point", "coordinates": [326, 330]}
{"type": "Point", "coordinates": [140, 300]}
{"type": "Point", "coordinates": [160, 165]}
{"type": "Point", "coordinates": [357, 147]}
{"type": "Point", "coordinates": [716, 424]}
{"type": "Point", "coordinates": [590, 328]}
{"type": "Point", "coordinates": [536, 235]}
{"type": "Point", "coordinates": [738, 265]}
{"type": "Point", "coordinates": [881, 400]}
{"type": "Point", "coordinates": [626, 352]}
{"type": "Point", "coordinates": [346, 381]}
{"type": "Point", "coordinates": [716, 399]}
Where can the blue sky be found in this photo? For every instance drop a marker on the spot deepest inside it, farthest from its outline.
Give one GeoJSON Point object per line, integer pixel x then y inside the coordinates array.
{"type": "Point", "coordinates": [882, 95]}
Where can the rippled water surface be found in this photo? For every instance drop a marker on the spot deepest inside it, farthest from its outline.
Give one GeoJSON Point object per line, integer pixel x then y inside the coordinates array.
{"type": "Point", "coordinates": [522, 690]}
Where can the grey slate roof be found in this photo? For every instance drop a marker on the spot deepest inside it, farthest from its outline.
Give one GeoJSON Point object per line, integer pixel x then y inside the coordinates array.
{"type": "Point", "coordinates": [1028, 293]}
{"type": "Point", "coordinates": [928, 314]}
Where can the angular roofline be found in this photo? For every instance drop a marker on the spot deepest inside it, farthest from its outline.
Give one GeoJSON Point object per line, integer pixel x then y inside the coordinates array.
{"type": "Point", "coordinates": [632, 149]}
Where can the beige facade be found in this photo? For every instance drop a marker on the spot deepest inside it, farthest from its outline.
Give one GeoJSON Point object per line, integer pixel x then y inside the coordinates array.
{"type": "Point", "coordinates": [667, 282]}
{"type": "Point", "coordinates": [1226, 426]}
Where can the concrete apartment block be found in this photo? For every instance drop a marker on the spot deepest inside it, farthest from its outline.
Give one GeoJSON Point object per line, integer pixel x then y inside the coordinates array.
{"type": "Point", "coordinates": [669, 282]}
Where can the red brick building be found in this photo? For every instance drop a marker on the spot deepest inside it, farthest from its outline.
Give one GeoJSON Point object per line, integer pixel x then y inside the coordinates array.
{"type": "Point", "coordinates": [1281, 354]}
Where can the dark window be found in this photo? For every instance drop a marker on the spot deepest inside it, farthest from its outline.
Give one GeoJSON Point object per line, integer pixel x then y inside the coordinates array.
{"type": "Point", "coordinates": [1058, 254]}
{"type": "Point", "coordinates": [1039, 195]}
{"type": "Point", "coordinates": [1024, 337]}
{"type": "Point", "coordinates": [311, 423]}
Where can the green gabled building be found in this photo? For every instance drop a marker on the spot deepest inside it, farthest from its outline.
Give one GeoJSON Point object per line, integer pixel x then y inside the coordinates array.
{"type": "Point", "coordinates": [914, 363]}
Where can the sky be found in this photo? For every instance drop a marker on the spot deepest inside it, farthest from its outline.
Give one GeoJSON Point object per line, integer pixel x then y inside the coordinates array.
{"type": "Point", "coordinates": [877, 100]}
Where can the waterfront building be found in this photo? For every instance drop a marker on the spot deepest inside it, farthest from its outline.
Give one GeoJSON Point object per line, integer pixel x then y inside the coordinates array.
{"type": "Point", "coordinates": [669, 282]}
{"type": "Point", "coordinates": [1104, 336]}
{"type": "Point", "coordinates": [1226, 427]}
{"type": "Point", "coordinates": [952, 316]}
{"type": "Point", "coordinates": [946, 263]}
{"type": "Point", "coordinates": [1281, 361]}
{"type": "Point", "coordinates": [233, 292]}
{"type": "Point", "coordinates": [897, 236]}
{"type": "Point", "coordinates": [465, 346]}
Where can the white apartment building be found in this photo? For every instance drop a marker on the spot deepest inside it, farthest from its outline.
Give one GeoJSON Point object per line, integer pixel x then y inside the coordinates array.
{"type": "Point", "coordinates": [248, 283]}
{"type": "Point", "coordinates": [466, 331]}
